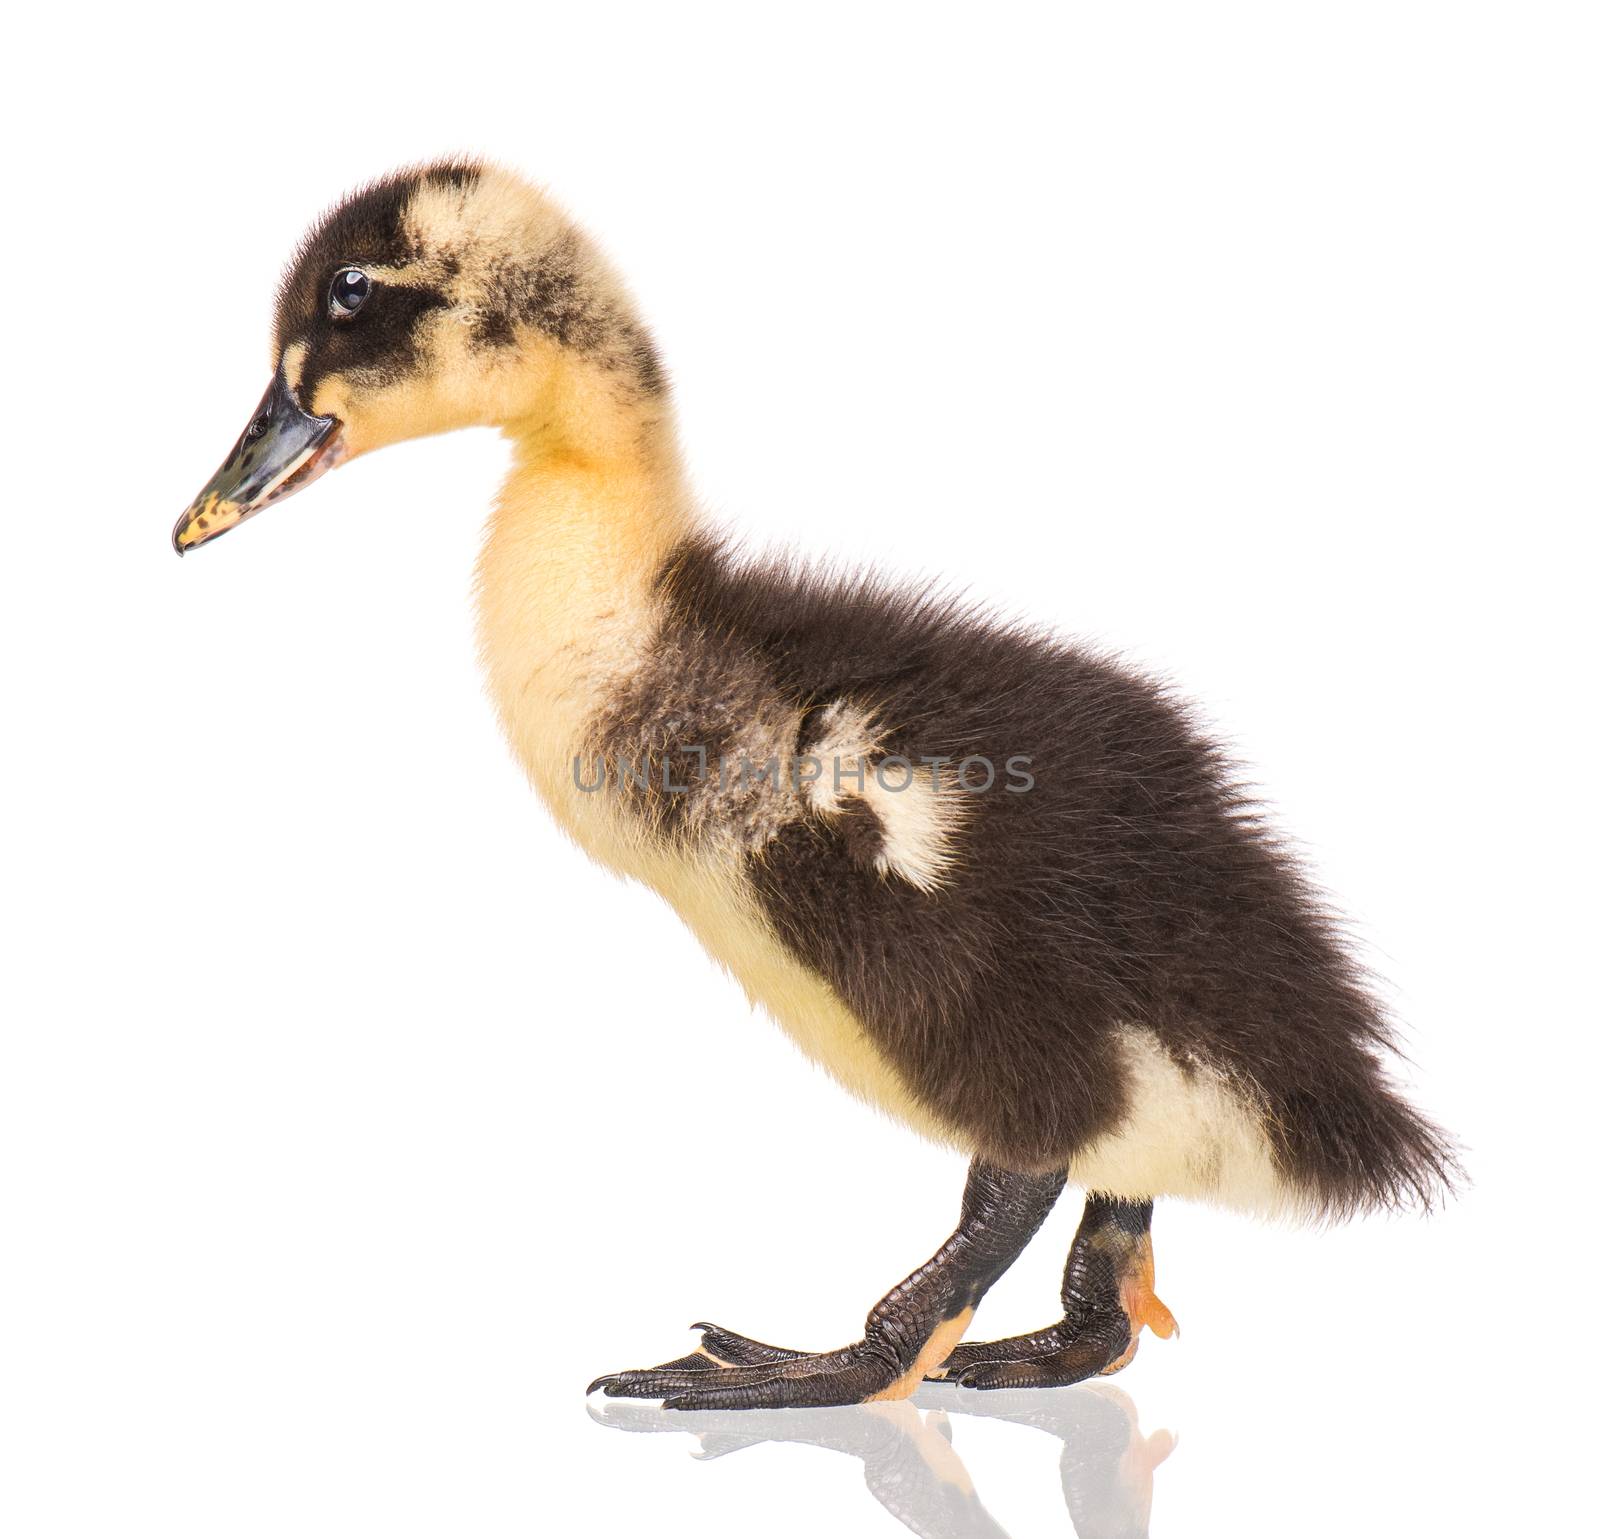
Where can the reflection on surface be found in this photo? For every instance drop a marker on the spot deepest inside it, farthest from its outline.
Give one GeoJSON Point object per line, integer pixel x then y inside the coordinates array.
{"type": "Point", "coordinates": [911, 1465]}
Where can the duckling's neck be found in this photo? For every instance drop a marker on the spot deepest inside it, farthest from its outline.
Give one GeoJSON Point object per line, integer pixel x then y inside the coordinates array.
{"type": "Point", "coordinates": [594, 502]}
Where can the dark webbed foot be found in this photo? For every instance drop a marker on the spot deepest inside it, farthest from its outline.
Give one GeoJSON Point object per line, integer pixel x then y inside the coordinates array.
{"type": "Point", "coordinates": [849, 1376]}
{"type": "Point", "coordinates": [910, 1332]}
{"type": "Point", "coordinates": [1108, 1296]}
{"type": "Point", "coordinates": [1065, 1354]}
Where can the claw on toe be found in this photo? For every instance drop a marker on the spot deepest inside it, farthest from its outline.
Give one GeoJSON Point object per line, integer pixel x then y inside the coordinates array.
{"type": "Point", "coordinates": [719, 1350]}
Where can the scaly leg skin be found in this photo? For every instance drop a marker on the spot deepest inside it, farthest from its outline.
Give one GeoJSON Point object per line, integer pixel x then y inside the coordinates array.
{"type": "Point", "coordinates": [910, 1331]}
{"type": "Point", "coordinates": [1108, 1296]}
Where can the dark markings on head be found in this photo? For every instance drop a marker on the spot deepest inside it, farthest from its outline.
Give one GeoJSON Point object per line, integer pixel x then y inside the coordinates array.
{"type": "Point", "coordinates": [558, 291]}
{"type": "Point", "coordinates": [367, 228]}
{"type": "Point", "coordinates": [555, 293]}
{"type": "Point", "coordinates": [549, 293]}
{"type": "Point", "coordinates": [641, 354]}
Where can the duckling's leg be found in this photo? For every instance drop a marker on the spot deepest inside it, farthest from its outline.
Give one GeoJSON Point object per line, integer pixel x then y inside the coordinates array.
{"type": "Point", "coordinates": [1108, 1296]}
{"type": "Point", "coordinates": [910, 1331]}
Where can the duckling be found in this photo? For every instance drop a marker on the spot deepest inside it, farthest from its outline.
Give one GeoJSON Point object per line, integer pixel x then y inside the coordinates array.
{"type": "Point", "coordinates": [998, 885]}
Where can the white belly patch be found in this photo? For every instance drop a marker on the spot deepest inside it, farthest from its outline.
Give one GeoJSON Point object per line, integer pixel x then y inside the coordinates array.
{"type": "Point", "coordinates": [1190, 1131]}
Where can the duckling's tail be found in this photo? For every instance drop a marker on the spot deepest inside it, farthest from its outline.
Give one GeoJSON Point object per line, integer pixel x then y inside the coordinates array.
{"type": "Point", "coordinates": [1354, 1145]}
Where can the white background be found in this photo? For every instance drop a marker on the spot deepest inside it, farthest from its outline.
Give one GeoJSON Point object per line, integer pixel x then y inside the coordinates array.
{"type": "Point", "coordinates": [350, 1122]}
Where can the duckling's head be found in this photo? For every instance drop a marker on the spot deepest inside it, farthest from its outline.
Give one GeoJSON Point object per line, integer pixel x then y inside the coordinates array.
{"type": "Point", "coordinates": [450, 295]}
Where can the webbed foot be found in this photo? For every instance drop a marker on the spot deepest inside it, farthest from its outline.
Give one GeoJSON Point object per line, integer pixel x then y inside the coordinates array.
{"type": "Point", "coordinates": [910, 1332]}
{"type": "Point", "coordinates": [1109, 1297]}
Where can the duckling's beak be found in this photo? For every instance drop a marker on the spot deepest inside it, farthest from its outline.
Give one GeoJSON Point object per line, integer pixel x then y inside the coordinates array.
{"type": "Point", "coordinates": [283, 449]}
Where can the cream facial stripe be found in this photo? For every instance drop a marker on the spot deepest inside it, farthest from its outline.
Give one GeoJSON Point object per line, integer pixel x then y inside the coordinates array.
{"type": "Point", "coordinates": [293, 365]}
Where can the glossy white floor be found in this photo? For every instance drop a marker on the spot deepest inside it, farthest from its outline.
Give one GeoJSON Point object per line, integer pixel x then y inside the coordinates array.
{"type": "Point", "coordinates": [350, 1123]}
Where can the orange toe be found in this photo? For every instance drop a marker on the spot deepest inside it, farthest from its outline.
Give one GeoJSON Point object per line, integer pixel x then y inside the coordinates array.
{"type": "Point", "coordinates": [1139, 1299]}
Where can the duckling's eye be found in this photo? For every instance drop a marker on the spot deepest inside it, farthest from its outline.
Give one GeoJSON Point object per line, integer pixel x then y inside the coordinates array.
{"type": "Point", "coordinates": [348, 292]}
